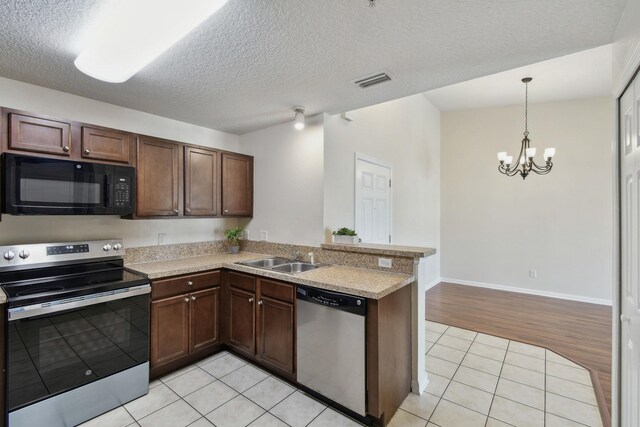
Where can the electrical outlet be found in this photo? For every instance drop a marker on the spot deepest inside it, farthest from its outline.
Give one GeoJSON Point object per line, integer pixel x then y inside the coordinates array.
{"type": "Point", "coordinates": [533, 274]}
{"type": "Point", "coordinates": [264, 235]}
{"type": "Point", "coordinates": [384, 262]}
{"type": "Point", "coordinates": [161, 238]}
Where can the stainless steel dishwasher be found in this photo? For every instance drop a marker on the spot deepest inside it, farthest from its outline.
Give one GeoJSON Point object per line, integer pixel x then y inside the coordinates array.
{"type": "Point", "coordinates": [331, 346]}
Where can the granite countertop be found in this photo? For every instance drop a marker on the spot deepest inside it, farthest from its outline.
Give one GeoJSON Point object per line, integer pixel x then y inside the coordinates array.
{"type": "Point", "coordinates": [362, 282]}
{"type": "Point", "coordinates": [3, 297]}
{"type": "Point", "coordinates": [380, 249]}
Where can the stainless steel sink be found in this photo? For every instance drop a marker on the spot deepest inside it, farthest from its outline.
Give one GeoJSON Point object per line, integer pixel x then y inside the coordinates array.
{"type": "Point", "coordinates": [295, 267]}
{"type": "Point", "coordinates": [266, 263]}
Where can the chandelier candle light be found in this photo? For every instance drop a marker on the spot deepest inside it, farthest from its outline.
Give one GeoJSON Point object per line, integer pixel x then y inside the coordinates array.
{"type": "Point", "coordinates": [526, 164]}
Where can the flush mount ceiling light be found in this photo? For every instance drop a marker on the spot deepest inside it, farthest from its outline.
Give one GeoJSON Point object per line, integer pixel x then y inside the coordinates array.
{"type": "Point", "coordinates": [129, 34]}
{"type": "Point", "coordinates": [298, 121]}
{"type": "Point", "coordinates": [526, 164]}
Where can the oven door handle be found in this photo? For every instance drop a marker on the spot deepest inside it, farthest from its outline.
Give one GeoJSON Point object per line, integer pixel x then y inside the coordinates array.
{"type": "Point", "coordinates": [77, 302]}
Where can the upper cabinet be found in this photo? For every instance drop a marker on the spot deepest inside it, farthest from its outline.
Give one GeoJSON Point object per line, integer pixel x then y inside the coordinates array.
{"type": "Point", "coordinates": [158, 177]}
{"type": "Point", "coordinates": [237, 184]}
{"type": "Point", "coordinates": [201, 182]}
{"type": "Point", "coordinates": [173, 179]}
{"type": "Point", "coordinates": [106, 144]}
{"type": "Point", "coordinates": [38, 135]}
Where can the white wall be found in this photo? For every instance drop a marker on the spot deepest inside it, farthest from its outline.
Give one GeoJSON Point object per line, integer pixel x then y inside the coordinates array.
{"type": "Point", "coordinates": [288, 187]}
{"type": "Point", "coordinates": [17, 229]}
{"type": "Point", "coordinates": [404, 133]}
{"type": "Point", "coordinates": [495, 228]}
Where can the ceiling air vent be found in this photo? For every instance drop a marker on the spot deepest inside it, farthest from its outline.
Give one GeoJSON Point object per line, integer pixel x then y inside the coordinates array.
{"type": "Point", "coordinates": [375, 79]}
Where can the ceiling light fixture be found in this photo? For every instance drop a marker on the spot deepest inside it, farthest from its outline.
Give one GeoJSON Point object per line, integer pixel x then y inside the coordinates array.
{"type": "Point", "coordinates": [128, 35]}
{"type": "Point", "coordinates": [298, 121]}
{"type": "Point", "coordinates": [525, 164]}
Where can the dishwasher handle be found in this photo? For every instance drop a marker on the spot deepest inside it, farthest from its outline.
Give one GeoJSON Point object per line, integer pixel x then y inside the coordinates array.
{"type": "Point", "coordinates": [335, 300]}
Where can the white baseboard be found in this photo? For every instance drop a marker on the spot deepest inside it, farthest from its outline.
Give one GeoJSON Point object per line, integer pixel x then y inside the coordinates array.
{"type": "Point", "coordinates": [570, 297]}
{"type": "Point", "coordinates": [432, 284]}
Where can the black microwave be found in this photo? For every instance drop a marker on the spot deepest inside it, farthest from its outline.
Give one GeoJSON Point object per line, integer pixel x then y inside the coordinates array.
{"type": "Point", "coordinates": [43, 186]}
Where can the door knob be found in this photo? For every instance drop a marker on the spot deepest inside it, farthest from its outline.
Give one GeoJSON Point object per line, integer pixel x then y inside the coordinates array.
{"type": "Point", "coordinates": [65, 149]}
{"type": "Point", "coordinates": [625, 319]}
{"type": "Point", "coordinates": [250, 299]}
{"type": "Point", "coordinates": [189, 283]}
{"type": "Point", "coordinates": [87, 152]}
{"type": "Point", "coordinates": [186, 300]}
{"type": "Point", "coordinates": [193, 298]}
{"type": "Point", "coordinates": [260, 302]}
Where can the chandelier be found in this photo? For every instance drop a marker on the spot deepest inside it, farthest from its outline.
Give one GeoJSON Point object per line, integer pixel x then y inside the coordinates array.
{"type": "Point", "coordinates": [525, 164]}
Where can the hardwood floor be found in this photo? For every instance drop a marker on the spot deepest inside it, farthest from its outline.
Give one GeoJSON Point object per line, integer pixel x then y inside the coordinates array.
{"type": "Point", "coordinates": [576, 330]}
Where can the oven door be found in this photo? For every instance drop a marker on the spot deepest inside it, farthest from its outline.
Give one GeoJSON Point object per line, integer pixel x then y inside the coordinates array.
{"type": "Point", "coordinates": [42, 186]}
{"type": "Point", "coordinates": [55, 347]}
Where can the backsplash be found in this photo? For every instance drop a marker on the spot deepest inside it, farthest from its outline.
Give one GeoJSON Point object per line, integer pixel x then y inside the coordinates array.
{"type": "Point", "coordinates": [323, 256]}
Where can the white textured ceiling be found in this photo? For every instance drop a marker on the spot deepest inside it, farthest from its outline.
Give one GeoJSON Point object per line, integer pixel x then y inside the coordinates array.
{"type": "Point", "coordinates": [578, 75]}
{"type": "Point", "coordinates": [249, 64]}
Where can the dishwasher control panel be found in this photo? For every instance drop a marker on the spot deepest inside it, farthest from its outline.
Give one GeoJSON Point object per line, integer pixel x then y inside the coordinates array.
{"type": "Point", "coordinates": [336, 300]}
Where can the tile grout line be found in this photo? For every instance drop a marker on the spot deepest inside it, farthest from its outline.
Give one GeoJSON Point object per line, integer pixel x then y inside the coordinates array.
{"type": "Point", "coordinates": [497, 383]}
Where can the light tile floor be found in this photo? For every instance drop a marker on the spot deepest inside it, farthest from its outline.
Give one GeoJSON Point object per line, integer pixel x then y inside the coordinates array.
{"type": "Point", "coordinates": [474, 380]}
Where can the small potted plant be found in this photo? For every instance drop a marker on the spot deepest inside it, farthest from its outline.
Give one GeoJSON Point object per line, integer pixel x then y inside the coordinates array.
{"type": "Point", "coordinates": [345, 236]}
{"type": "Point", "coordinates": [234, 235]}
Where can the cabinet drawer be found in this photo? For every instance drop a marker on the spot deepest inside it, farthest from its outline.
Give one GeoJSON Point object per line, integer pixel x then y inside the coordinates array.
{"type": "Point", "coordinates": [184, 284]}
{"type": "Point", "coordinates": [277, 290]}
{"type": "Point", "coordinates": [242, 281]}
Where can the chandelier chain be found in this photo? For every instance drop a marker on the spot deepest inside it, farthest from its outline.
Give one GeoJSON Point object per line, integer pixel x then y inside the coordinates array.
{"type": "Point", "coordinates": [526, 109]}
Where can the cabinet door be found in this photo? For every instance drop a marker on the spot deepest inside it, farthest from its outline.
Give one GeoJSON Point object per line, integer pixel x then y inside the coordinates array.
{"type": "Point", "coordinates": [169, 329]}
{"type": "Point", "coordinates": [242, 320]}
{"type": "Point", "coordinates": [276, 329]}
{"type": "Point", "coordinates": [205, 309]}
{"type": "Point", "coordinates": [105, 144]}
{"type": "Point", "coordinates": [27, 133]}
{"type": "Point", "coordinates": [158, 178]}
{"type": "Point", "coordinates": [200, 182]}
{"type": "Point", "coordinates": [237, 185]}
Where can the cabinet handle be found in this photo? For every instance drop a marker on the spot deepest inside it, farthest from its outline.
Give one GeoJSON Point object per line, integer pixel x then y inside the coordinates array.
{"type": "Point", "coordinates": [87, 152]}
{"type": "Point", "coordinates": [251, 299]}
{"type": "Point", "coordinates": [226, 211]}
{"type": "Point", "coordinates": [260, 302]}
{"type": "Point", "coordinates": [65, 149]}
{"type": "Point", "coordinates": [189, 283]}
{"type": "Point", "coordinates": [193, 298]}
{"type": "Point", "coordinates": [186, 300]}
{"type": "Point", "coordinates": [188, 210]}
{"type": "Point", "coordinates": [175, 211]}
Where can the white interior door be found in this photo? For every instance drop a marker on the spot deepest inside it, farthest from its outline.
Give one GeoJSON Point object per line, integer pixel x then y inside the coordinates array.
{"type": "Point", "coordinates": [373, 200]}
{"type": "Point", "coordinates": [629, 275]}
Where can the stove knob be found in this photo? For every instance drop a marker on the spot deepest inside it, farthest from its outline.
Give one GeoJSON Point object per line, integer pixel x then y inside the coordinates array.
{"type": "Point", "coordinates": [117, 247]}
{"type": "Point", "coordinates": [106, 247]}
{"type": "Point", "coordinates": [24, 254]}
{"type": "Point", "coordinates": [9, 255]}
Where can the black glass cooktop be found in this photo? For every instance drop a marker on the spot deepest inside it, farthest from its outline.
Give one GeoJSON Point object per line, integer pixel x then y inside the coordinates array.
{"type": "Point", "coordinates": [40, 285]}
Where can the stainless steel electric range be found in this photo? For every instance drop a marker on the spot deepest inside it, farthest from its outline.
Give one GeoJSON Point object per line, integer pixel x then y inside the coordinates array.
{"type": "Point", "coordinates": [77, 331]}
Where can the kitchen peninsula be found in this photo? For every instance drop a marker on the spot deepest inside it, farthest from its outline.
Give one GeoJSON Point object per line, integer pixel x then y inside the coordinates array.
{"type": "Point", "coordinates": [255, 309]}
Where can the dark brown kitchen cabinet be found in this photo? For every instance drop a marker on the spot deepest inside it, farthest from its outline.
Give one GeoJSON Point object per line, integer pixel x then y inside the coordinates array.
{"type": "Point", "coordinates": [261, 321]}
{"type": "Point", "coordinates": [106, 144]}
{"type": "Point", "coordinates": [185, 320]}
{"type": "Point", "coordinates": [158, 178]}
{"type": "Point", "coordinates": [169, 329]}
{"type": "Point", "coordinates": [237, 184]}
{"type": "Point", "coordinates": [201, 182]}
{"type": "Point", "coordinates": [276, 326]}
{"type": "Point", "coordinates": [39, 135]}
{"type": "Point", "coordinates": [205, 312]}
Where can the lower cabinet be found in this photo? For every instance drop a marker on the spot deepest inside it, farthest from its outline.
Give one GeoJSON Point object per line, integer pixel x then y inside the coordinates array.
{"type": "Point", "coordinates": [261, 320]}
{"type": "Point", "coordinates": [184, 325]}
